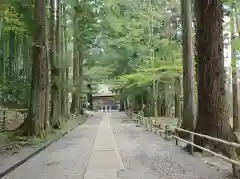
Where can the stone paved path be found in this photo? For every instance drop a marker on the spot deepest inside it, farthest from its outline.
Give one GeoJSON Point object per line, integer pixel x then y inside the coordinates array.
{"type": "Point", "coordinates": [65, 159]}
{"type": "Point", "coordinates": [106, 148]}
{"type": "Point", "coordinates": [105, 160]}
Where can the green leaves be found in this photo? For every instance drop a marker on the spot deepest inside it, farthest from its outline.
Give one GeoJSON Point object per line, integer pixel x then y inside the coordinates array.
{"type": "Point", "coordinates": [12, 20]}
{"type": "Point", "coordinates": [236, 44]}
{"type": "Point", "coordinates": [125, 62]}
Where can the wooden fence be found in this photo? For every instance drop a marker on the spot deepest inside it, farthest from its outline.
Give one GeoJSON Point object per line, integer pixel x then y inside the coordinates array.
{"type": "Point", "coordinates": [11, 114]}
{"type": "Point", "coordinates": [151, 126]}
{"type": "Point", "coordinates": [17, 116]}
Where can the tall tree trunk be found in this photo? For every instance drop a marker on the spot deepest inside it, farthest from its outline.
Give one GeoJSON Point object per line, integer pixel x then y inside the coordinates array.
{"type": "Point", "coordinates": [47, 94]}
{"type": "Point", "coordinates": [234, 73]}
{"type": "Point", "coordinates": [163, 105]}
{"type": "Point", "coordinates": [177, 102]}
{"type": "Point", "coordinates": [18, 46]}
{"type": "Point", "coordinates": [34, 123]}
{"type": "Point", "coordinates": [212, 119]}
{"type": "Point", "coordinates": [11, 53]}
{"type": "Point", "coordinates": [126, 107]}
{"type": "Point", "coordinates": [3, 57]}
{"type": "Point", "coordinates": [63, 64]}
{"type": "Point", "coordinates": [121, 107]}
{"type": "Point", "coordinates": [59, 58]}
{"type": "Point", "coordinates": [75, 99]}
{"type": "Point", "coordinates": [55, 68]}
{"type": "Point", "coordinates": [189, 114]}
{"type": "Point", "coordinates": [162, 99]}
{"type": "Point", "coordinates": [89, 97]}
{"type": "Point", "coordinates": [66, 57]}
{"type": "Point", "coordinates": [80, 87]}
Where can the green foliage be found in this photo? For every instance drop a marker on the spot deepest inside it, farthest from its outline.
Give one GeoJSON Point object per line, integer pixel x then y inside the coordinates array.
{"type": "Point", "coordinates": [115, 40]}
{"type": "Point", "coordinates": [14, 92]}
{"type": "Point", "coordinates": [125, 62]}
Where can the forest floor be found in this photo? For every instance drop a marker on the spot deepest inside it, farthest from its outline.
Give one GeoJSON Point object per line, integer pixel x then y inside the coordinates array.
{"type": "Point", "coordinates": [14, 149]}
{"type": "Point", "coordinates": [105, 147]}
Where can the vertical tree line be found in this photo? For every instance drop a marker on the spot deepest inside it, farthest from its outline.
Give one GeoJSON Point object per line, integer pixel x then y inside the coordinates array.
{"type": "Point", "coordinates": [36, 62]}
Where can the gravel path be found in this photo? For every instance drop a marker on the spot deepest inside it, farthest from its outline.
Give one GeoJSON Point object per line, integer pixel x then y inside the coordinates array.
{"type": "Point", "coordinates": [147, 156]}
{"type": "Point", "coordinates": [64, 159]}
{"type": "Point", "coordinates": [144, 154]}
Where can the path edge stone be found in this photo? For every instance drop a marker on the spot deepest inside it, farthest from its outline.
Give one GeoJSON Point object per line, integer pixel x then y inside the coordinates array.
{"type": "Point", "coordinates": [37, 151]}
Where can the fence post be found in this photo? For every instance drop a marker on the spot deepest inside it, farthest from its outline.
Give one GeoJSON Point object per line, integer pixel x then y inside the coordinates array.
{"type": "Point", "coordinates": [148, 121]}
{"type": "Point", "coordinates": [166, 131]}
{"type": "Point", "coordinates": [155, 126]}
{"type": "Point", "coordinates": [192, 140]}
{"type": "Point", "coordinates": [160, 130]}
{"type": "Point", "coordinates": [176, 134]}
{"type": "Point", "coordinates": [73, 116]}
{"type": "Point", "coordinates": [234, 157]}
{"type": "Point", "coordinates": [4, 120]}
{"type": "Point", "coordinates": [151, 126]}
{"type": "Point", "coordinates": [145, 122]}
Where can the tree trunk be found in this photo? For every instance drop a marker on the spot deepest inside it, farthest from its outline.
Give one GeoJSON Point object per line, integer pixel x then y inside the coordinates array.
{"type": "Point", "coordinates": [163, 105]}
{"type": "Point", "coordinates": [59, 59]}
{"type": "Point", "coordinates": [80, 87]}
{"type": "Point", "coordinates": [34, 123]}
{"type": "Point", "coordinates": [189, 114]}
{"type": "Point", "coordinates": [89, 97]}
{"type": "Point", "coordinates": [162, 99]}
{"type": "Point", "coordinates": [126, 107]}
{"type": "Point", "coordinates": [75, 99]}
{"type": "Point", "coordinates": [3, 63]}
{"type": "Point", "coordinates": [212, 117]}
{"type": "Point", "coordinates": [11, 54]}
{"type": "Point", "coordinates": [177, 102]}
{"type": "Point", "coordinates": [234, 73]}
{"type": "Point", "coordinates": [63, 63]}
{"type": "Point", "coordinates": [121, 107]}
{"type": "Point", "coordinates": [47, 94]}
{"type": "Point", "coordinates": [66, 57]}
{"type": "Point", "coordinates": [55, 69]}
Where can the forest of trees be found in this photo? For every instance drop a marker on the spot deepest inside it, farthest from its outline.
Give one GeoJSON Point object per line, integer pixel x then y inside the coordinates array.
{"type": "Point", "coordinates": [43, 46]}
{"type": "Point", "coordinates": [162, 57]}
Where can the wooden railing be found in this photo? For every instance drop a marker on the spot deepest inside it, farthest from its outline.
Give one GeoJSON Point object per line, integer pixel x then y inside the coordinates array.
{"type": "Point", "coordinates": [6, 114]}
{"type": "Point", "coordinates": [151, 125]}
{"type": "Point", "coordinates": [232, 145]}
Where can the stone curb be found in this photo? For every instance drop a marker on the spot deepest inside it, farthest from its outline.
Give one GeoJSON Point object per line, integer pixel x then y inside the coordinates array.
{"type": "Point", "coordinates": [22, 161]}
